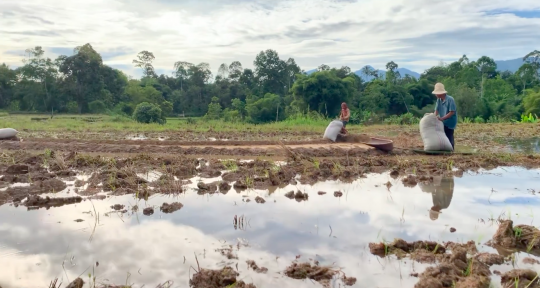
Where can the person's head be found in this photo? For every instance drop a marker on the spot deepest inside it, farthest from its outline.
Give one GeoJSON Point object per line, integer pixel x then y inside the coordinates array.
{"type": "Point", "coordinates": [344, 106]}
{"type": "Point", "coordinates": [439, 91]}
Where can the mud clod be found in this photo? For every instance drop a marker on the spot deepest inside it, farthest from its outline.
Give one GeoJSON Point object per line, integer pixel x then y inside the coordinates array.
{"type": "Point", "coordinates": [470, 246]}
{"type": "Point", "coordinates": [206, 188]}
{"type": "Point", "coordinates": [117, 207]}
{"type": "Point", "coordinates": [489, 258]}
{"type": "Point", "coordinates": [79, 183]}
{"type": "Point", "coordinates": [321, 193]}
{"type": "Point", "coordinates": [47, 202]}
{"type": "Point", "coordinates": [18, 169]}
{"type": "Point", "coordinates": [422, 251]}
{"type": "Point", "coordinates": [520, 278]}
{"type": "Point", "coordinates": [171, 208]}
{"type": "Point", "coordinates": [452, 229]}
{"type": "Point", "coordinates": [148, 211]}
{"type": "Point", "coordinates": [530, 261]}
{"type": "Point", "coordinates": [260, 200]}
{"type": "Point", "coordinates": [455, 270]}
{"type": "Point", "coordinates": [224, 187]}
{"type": "Point", "coordinates": [255, 267]}
{"type": "Point", "coordinates": [520, 237]}
{"type": "Point", "coordinates": [323, 275]}
{"type": "Point", "coordinates": [410, 181]}
{"type": "Point", "coordinates": [225, 277]}
{"type": "Point", "coordinates": [77, 283]}
{"type": "Point", "coordinates": [298, 196]}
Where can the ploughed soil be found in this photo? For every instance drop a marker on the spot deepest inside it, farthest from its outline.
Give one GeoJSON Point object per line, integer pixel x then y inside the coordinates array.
{"type": "Point", "coordinates": [47, 172]}
{"type": "Point", "coordinates": [461, 265]}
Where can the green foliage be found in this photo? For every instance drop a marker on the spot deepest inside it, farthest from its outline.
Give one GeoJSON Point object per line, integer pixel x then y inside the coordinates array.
{"type": "Point", "coordinates": [531, 102]}
{"type": "Point", "coordinates": [167, 108]}
{"type": "Point", "coordinates": [123, 109]}
{"type": "Point", "coordinates": [266, 109]}
{"type": "Point", "coordinates": [149, 113]}
{"type": "Point", "coordinates": [72, 107]}
{"type": "Point", "coordinates": [529, 118]}
{"type": "Point", "coordinates": [276, 89]}
{"type": "Point", "coordinates": [405, 119]}
{"type": "Point", "coordinates": [214, 110]}
{"type": "Point", "coordinates": [97, 107]}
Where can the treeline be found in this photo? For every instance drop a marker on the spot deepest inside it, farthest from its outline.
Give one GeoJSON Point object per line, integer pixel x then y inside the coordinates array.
{"type": "Point", "coordinates": [274, 90]}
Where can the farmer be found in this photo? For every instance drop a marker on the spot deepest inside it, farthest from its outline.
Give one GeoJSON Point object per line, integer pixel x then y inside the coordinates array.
{"type": "Point", "coordinates": [445, 110]}
{"type": "Point", "coordinates": [344, 117]}
{"type": "Point", "coordinates": [442, 190]}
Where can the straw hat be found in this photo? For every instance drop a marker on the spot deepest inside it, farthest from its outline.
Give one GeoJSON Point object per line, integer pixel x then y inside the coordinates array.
{"type": "Point", "coordinates": [439, 89]}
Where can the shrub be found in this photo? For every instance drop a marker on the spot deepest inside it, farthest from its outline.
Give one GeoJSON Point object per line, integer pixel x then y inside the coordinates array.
{"type": "Point", "coordinates": [97, 107]}
{"type": "Point", "coordinates": [72, 107]}
{"type": "Point", "coordinates": [167, 108]}
{"type": "Point", "coordinates": [123, 108]}
{"type": "Point", "coordinates": [149, 113]}
{"type": "Point", "coordinates": [214, 110]}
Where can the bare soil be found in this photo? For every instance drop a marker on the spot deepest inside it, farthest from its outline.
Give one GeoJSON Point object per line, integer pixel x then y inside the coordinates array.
{"type": "Point", "coordinates": [225, 277]}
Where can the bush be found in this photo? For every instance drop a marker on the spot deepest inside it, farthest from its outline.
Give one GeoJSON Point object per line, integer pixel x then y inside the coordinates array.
{"type": "Point", "coordinates": [214, 110]}
{"type": "Point", "coordinates": [149, 113]}
{"type": "Point", "coordinates": [123, 108]}
{"type": "Point", "coordinates": [97, 107]}
{"type": "Point", "coordinates": [72, 107]}
{"type": "Point", "coordinates": [167, 108]}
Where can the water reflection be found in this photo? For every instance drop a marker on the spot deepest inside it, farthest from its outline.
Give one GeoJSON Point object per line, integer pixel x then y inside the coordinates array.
{"type": "Point", "coordinates": [531, 145]}
{"type": "Point", "coordinates": [40, 245]}
{"type": "Point", "coordinates": [441, 189]}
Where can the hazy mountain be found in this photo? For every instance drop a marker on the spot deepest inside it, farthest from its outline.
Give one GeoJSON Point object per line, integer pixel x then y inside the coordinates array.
{"type": "Point", "coordinates": [502, 65]}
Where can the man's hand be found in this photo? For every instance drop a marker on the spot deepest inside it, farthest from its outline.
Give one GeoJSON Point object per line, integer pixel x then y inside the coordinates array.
{"type": "Point", "coordinates": [440, 119]}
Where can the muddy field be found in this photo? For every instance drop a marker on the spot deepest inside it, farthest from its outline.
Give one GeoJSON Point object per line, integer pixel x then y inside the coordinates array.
{"type": "Point", "coordinates": [171, 212]}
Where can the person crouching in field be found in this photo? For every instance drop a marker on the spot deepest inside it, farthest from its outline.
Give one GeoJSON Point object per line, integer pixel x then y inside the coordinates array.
{"type": "Point", "coordinates": [445, 110]}
{"type": "Point", "coordinates": [344, 117]}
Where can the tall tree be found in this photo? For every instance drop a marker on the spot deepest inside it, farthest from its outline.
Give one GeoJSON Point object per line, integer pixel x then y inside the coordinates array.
{"type": "Point", "coordinates": [144, 61]}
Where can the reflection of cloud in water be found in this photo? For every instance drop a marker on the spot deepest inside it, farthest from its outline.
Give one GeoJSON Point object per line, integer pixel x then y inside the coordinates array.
{"type": "Point", "coordinates": [367, 212]}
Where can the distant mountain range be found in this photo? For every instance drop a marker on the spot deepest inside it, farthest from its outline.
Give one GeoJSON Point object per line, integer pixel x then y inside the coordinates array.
{"type": "Point", "coordinates": [502, 65]}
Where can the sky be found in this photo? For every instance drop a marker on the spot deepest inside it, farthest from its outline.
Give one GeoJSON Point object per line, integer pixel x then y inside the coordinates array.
{"type": "Point", "coordinates": [416, 34]}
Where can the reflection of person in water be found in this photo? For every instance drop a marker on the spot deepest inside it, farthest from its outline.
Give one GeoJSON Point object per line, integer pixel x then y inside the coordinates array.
{"type": "Point", "coordinates": [441, 191]}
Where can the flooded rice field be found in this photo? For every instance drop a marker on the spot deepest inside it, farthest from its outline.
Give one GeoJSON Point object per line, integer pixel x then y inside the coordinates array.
{"type": "Point", "coordinates": [108, 230]}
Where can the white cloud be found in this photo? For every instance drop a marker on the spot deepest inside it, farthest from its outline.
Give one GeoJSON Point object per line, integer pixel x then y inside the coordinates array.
{"type": "Point", "coordinates": [415, 34]}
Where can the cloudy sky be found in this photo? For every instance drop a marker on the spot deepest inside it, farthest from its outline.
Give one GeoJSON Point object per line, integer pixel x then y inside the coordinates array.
{"type": "Point", "coordinates": [416, 34]}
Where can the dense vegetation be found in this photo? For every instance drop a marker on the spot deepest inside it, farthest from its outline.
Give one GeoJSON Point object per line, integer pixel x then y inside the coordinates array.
{"type": "Point", "coordinates": [274, 90]}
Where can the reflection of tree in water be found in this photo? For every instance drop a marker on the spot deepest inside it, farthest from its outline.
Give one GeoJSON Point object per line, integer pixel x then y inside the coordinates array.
{"type": "Point", "coordinates": [441, 190]}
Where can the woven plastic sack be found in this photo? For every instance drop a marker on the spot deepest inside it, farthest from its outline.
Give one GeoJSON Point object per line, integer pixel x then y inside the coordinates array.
{"type": "Point", "coordinates": [432, 131]}
{"type": "Point", "coordinates": [333, 130]}
{"type": "Point", "coordinates": [8, 133]}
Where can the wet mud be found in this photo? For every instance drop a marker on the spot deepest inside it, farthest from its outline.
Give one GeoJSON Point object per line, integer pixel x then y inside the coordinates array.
{"type": "Point", "coordinates": [252, 265]}
{"type": "Point", "coordinates": [298, 196]}
{"type": "Point", "coordinates": [520, 278]}
{"type": "Point", "coordinates": [225, 277]}
{"type": "Point", "coordinates": [171, 208]}
{"type": "Point", "coordinates": [521, 237]}
{"type": "Point", "coordinates": [322, 274]}
{"type": "Point", "coordinates": [36, 201]}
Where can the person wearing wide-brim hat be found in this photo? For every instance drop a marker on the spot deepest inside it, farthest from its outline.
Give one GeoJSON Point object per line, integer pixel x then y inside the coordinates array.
{"type": "Point", "coordinates": [445, 110]}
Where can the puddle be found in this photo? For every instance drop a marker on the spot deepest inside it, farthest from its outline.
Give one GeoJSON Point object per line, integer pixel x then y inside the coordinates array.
{"type": "Point", "coordinates": [149, 250]}
{"type": "Point", "coordinates": [136, 137]}
{"type": "Point", "coordinates": [531, 145]}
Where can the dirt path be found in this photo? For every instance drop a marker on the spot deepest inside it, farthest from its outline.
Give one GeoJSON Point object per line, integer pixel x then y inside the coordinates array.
{"type": "Point", "coordinates": [241, 148]}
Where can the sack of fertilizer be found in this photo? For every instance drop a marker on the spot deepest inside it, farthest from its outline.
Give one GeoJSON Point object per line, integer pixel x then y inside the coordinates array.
{"type": "Point", "coordinates": [333, 130]}
{"type": "Point", "coordinates": [432, 131]}
{"type": "Point", "coordinates": [6, 133]}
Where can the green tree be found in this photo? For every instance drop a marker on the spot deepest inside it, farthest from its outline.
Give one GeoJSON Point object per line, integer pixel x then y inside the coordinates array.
{"type": "Point", "coordinates": [214, 110]}
{"type": "Point", "coordinates": [149, 113]}
{"type": "Point", "coordinates": [144, 61]}
{"type": "Point", "coordinates": [265, 109]}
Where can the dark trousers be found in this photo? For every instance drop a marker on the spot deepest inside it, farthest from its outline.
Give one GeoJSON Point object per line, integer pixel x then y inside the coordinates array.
{"type": "Point", "coordinates": [450, 135]}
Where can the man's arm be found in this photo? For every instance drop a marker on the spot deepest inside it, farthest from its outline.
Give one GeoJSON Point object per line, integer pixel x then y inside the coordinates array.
{"type": "Point", "coordinates": [436, 106]}
{"type": "Point", "coordinates": [451, 112]}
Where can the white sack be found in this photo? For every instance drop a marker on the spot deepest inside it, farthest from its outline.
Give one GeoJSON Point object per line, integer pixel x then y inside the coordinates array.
{"type": "Point", "coordinates": [333, 130]}
{"type": "Point", "coordinates": [8, 133]}
{"type": "Point", "coordinates": [432, 131]}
